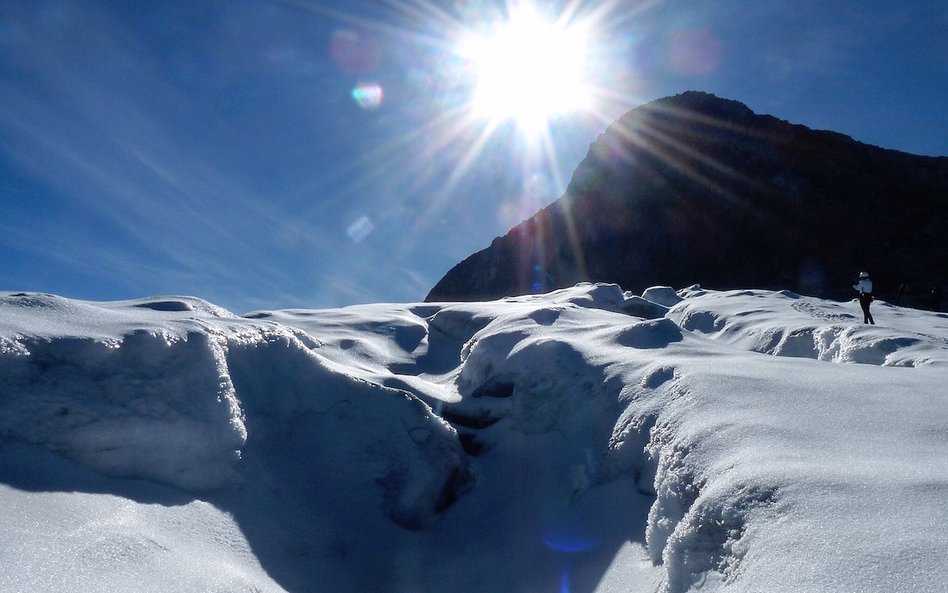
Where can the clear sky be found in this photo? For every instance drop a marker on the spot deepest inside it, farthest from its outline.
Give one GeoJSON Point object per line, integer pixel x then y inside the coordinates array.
{"type": "Point", "coordinates": [272, 154]}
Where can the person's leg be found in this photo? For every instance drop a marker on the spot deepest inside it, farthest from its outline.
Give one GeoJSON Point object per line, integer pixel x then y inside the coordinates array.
{"type": "Point", "coordinates": [864, 304]}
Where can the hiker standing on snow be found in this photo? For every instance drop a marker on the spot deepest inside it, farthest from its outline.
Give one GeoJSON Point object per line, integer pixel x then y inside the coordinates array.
{"type": "Point", "coordinates": [864, 288]}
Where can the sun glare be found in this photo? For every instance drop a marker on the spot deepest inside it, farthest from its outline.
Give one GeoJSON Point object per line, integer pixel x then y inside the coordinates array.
{"type": "Point", "coordinates": [528, 69]}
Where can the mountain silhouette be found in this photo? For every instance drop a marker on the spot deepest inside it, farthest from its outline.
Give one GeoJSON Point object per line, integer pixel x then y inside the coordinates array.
{"type": "Point", "coordinates": [698, 189]}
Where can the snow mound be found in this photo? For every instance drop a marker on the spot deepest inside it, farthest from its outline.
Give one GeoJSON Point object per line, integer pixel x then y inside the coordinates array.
{"type": "Point", "coordinates": [165, 390]}
{"type": "Point", "coordinates": [663, 295]}
{"type": "Point", "coordinates": [355, 430]}
{"type": "Point", "coordinates": [155, 405]}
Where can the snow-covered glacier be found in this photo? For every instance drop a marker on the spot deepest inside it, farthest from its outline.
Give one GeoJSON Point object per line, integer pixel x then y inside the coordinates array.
{"type": "Point", "coordinates": [583, 440]}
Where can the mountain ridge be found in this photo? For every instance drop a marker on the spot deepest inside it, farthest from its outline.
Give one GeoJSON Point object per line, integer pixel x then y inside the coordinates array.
{"type": "Point", "coordinates": [698, 189]}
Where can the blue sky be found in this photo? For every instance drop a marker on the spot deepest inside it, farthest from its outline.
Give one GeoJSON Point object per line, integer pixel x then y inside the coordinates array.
{"type": "Point", "coordinates": [273, 154]}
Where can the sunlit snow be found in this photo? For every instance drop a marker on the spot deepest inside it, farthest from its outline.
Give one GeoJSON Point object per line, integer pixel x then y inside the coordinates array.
{"type": "Point", "coordinates": [586, 440]}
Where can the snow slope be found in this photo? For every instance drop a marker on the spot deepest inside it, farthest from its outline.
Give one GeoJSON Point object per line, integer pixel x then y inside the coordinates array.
{"type": "Point", "coordinates": [584, 440]}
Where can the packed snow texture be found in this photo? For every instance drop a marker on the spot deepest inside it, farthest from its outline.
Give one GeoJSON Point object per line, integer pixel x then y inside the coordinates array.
{"type": "Point", "coordinates": [584, 440]}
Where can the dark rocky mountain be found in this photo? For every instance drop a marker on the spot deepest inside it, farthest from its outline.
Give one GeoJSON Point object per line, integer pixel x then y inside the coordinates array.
{"type": "Point", "coordinates": [698, 189]}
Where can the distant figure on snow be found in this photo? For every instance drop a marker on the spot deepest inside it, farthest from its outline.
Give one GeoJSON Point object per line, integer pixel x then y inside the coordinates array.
{"type": "Point", "coordinates": [864, 288]}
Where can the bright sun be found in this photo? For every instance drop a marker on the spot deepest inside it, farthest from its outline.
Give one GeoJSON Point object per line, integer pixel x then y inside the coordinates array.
{"type": "Point", "coordinates": [529, 69]}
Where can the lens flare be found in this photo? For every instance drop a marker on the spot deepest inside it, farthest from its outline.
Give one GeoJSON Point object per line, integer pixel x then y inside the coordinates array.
{"type": "Point", "coordinates": [695, 52]}
{"type": "Point", "coordinates": [570, 544]}
{"type": "Point", "coordinates": [360, 229]}
{"type": "Point", "coordinates": [368, 95]}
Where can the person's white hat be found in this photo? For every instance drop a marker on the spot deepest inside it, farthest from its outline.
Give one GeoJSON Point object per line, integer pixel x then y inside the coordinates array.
{"type": "Point", "coordinates": [863, 274]}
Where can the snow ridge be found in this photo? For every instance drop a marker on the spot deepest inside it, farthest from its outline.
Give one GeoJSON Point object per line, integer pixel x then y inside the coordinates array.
{"type": "Point", "coordinates": [173, 404]}
{"type": "Point", "coordinates": [113, 404]}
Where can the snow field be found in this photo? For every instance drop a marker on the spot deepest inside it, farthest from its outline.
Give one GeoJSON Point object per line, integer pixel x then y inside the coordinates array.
{"type": "Point", "coordinates": [582, 440]}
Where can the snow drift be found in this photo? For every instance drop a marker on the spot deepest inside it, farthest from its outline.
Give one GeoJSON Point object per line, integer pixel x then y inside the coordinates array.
{"type": "Point", "coordinates": [582, 440]}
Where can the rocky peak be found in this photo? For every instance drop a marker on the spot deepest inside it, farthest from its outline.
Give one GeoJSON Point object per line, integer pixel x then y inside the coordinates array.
{"type": "Point", "coordinates": [698, 189]}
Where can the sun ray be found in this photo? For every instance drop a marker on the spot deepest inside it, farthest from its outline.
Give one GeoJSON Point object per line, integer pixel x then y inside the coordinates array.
{"type": "Point", "coordinates": [524, 65]}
